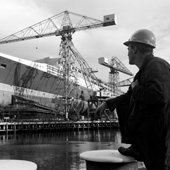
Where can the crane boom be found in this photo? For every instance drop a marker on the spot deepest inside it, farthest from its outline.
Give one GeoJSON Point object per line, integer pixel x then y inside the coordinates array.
{"type": "Point", "coordinates": [124, 83]}
{"type": "Point", "coordinates": [119, 66]}
{"type": "Point", "coordinates": [50, 27]}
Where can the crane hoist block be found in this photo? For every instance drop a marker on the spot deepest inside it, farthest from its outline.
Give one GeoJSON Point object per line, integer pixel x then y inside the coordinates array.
{"type": "Point", "coordinates": [110, 20]}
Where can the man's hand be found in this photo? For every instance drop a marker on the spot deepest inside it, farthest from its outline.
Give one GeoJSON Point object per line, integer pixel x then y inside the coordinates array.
{"type": "Point", "coordinates": [100, 110]}
{"type": "Point", "coordinates": [135, 83]}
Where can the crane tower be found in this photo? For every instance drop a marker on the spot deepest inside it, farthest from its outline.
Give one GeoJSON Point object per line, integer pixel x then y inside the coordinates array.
{"type": "Point", "coordinates": [115, 66]}
{"type": "Point", "coordinates": [65, 24]}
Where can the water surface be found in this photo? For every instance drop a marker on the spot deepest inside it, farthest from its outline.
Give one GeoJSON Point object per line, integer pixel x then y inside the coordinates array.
{"type": "Point", "coordinates": [57, 150]}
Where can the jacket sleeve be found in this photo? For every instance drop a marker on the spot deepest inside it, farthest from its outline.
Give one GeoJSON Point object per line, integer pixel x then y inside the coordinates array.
{"type": "Point", "coordinates": [113, 103]}
{"type": "Point", "coordinates": [155, 84]}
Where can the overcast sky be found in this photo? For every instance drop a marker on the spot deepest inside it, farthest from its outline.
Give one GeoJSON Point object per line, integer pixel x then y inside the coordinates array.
{"type": "Point", "coordinates": [132, 15]}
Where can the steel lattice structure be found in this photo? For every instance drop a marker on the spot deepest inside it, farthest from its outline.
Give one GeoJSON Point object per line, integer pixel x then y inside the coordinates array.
{"type": "Point", "coordinates": [63, 25]}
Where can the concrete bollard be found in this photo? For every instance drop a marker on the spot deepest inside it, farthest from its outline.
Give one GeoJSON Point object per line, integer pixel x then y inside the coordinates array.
{"type": "Point", "coordinates": [12, 164]}
{"type": "Point", "coordinates": [108, 160]}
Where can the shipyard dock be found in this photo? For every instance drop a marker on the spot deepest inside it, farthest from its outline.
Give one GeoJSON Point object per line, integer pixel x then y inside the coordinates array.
{"type": "Point", "coordinates": [24, 126]}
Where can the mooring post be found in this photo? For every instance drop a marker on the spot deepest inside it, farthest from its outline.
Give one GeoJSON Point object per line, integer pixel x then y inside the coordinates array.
{"type": "Point", "coordinates": [108, 160]}
{"type": "Point", "coordinates": [11, 164]}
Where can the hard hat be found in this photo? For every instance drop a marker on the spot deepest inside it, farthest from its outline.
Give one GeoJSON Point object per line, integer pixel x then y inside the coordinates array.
{"type": "Point", "coordinates": [143, 36]}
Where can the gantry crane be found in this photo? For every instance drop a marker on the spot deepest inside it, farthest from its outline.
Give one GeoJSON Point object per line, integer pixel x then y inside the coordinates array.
{"type": "Point", "coordinates": [115, 66]}
{"type": "Point", "coordinates": [65, 28]}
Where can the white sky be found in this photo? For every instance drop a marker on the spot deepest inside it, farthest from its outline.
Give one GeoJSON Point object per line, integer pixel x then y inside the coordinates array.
{"type": "Point", "coordinates": [132, 15]}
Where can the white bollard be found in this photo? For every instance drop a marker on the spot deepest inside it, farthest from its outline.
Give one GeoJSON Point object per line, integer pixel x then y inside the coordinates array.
{"type": "Point", "coordinates": [12, 164]}
{"type": "Point", "coordinates": [108, 160]}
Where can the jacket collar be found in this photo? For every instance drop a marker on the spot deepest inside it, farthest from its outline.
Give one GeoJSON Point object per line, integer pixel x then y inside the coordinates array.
{"type": "Point", "coordinates": [146, 60]}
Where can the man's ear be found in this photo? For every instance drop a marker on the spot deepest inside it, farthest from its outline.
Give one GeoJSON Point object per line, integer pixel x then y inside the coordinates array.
{"type": "Point", "coordinates": [135, 49]}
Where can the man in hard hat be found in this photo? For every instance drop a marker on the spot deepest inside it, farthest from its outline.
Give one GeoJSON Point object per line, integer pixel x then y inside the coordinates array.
{"type": "Point", "coordinates": [148, 100]}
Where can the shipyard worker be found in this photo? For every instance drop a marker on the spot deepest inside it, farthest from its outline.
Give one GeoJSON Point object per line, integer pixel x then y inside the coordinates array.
{"type": "Point", "coordinates": [148, 100]}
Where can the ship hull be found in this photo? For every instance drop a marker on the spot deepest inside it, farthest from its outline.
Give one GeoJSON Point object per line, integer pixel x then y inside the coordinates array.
{"type": "Point", "coordinates": [31, 81]}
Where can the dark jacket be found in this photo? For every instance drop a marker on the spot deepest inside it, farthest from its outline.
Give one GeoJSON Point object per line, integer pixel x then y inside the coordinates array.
{"type": "Point", "coordinates": [149, 104]}
{"type": "Point", "coordinates": [151, 98]}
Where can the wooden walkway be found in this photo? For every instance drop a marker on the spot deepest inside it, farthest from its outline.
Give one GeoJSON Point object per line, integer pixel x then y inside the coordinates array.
{"type": "Point", "coordinates": [56, 125]}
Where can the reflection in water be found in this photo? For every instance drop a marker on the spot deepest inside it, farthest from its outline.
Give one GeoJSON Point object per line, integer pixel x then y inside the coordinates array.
{"type": "Point", "coordinates": [56, 150]}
